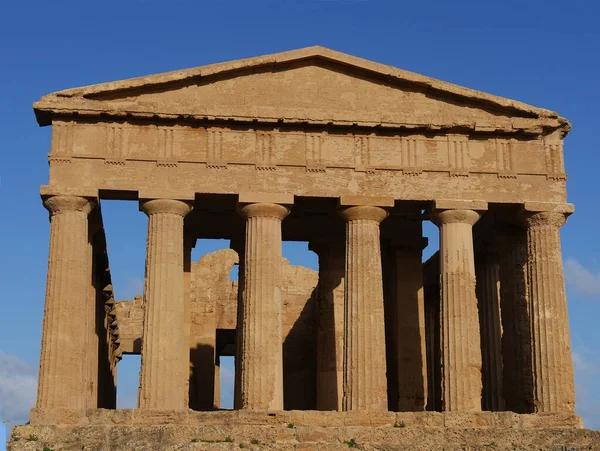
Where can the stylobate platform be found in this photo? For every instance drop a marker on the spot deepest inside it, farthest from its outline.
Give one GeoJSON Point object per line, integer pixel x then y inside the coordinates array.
{"type": "Point", "coordinates": [300, 430]}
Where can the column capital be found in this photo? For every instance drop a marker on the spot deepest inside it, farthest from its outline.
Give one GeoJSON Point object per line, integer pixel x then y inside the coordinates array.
{"type": "Point", "coordinates": [439, 217]}
{"type": "Point", "coordinates": [546, 219]}
{"type": "Point", "coordinates": [368, 212]}
{"type": "Point", "coordinates": [171, 206]}
{"type": "Point", "coordinates": [264, 210]}
{"type": "Point", "coordinates": [68, 203]}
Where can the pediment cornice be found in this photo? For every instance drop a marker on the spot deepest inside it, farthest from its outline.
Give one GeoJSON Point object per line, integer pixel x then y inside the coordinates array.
{"type": "Point", "coordinates": [105, 99]}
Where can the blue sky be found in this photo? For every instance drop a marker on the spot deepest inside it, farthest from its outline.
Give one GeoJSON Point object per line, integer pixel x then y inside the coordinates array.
{"type": "Point", "coordinates": [541, 52]}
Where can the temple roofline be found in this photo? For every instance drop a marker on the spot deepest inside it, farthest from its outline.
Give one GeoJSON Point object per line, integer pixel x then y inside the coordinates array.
{"type": "Point", "coordinates": [62, 101]}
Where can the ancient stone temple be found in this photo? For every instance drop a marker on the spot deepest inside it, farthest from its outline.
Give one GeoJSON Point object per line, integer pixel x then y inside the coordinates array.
{"type": "Point", "coordinates": [468, 348]}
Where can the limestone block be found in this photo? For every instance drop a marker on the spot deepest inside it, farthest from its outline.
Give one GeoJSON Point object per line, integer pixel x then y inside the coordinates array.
{"type": "Point", "coordinates": [51, 416]}
{"type": "Point", "coordinates": [317, 418]}
{"type": "Point", "coordinates": [468, 419]}
{"type": "Point", "coordinates": [369, 418]}
{"type": "Point", "coordinates": [264, 417]}
{"type": "Point", "coordinates": [111, 416]}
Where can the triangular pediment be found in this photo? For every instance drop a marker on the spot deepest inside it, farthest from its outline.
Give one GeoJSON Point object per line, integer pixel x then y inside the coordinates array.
{"type": "Point", "coordinates": [312, 85]}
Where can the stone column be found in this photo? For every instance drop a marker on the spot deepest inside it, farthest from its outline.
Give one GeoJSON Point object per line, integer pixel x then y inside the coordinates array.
{"type": "Point", "coordinates": [165, 354]}
{"type": "Point", "coordinates": [365, 386]}
{"type": "Point", "coordinates": [431, 282]}
{"type": "Point", "coordinates": [553, 385]}
{"type": "Point", "coordinates": [238, 244]}
{"type": "Point", "coordinates": [516, 335]}
{"type": "Point", "coordinates": [460, 344]}
{"type": "Point", "coordinates": [330, 312]}
{"type": "Point", "coordinates": [188, 244]}
{"type": "Point", "coordinates": [63, 356]}
{"type": "Point", "coordinates": [260, 350]}
{"type": "Point", "coordinates": [410, 326]}
{"type": "Point", "coordinates": [92, 326]}
{"type": "Point", "coordinates": [487, 271]}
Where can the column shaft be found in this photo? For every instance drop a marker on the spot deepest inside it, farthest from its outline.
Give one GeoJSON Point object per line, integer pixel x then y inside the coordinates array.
{"type": "Point", "coordinates": [516, 336]}
{"type": "Point", "coordinates": [92, 338]}
{"type": "Point", "coordinates": [365, 386]}
{"type": "Point", "coordinates": [330, 312]}
{"type": "Point", "coordinates": [431, 282]}
{"type": "Point", "coordinates": [553, 383]}
{"type": "Point", "coordinates": [488, 297]}
{"type": "Point", "coordinates": [165, 354]}
{"type": "Point", "coordinates": [410, 320]}
{"type": "Point", "coordinates": [62, 362]}
{"type": "Point", "coordinates": [187, 313]}
{"type": "Point", "coordinates": [460, 343]}
{"type": "Point", "coordinates": [260, 353]}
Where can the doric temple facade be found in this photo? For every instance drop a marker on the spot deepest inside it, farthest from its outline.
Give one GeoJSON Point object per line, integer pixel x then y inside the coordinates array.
{"type": "Point", "coordinates": [352, 157]}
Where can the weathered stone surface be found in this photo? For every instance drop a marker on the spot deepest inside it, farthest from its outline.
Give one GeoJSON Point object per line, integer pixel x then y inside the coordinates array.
{"type": "Point", "coordinates": [163, 373]}
{"type": "Point", "coordinates": [260, 355]}
{"type": "Point", "coordinates": [61, 383]}
{"type": "Point", "coordinates": [290, 141]}
{"type": "Point", "coordinates": [553, 382]}
{"type": "Point", "coordinates": [461, 354]}
{"type": "Point", "coordinates": [516, 327]}
{"type": "Point", "coordinates": [364, 338]}
{"type": "Point", "coordinates": [330, 310]}
{"type": "Point", "coordinates": [487, 272]}
{"type": "Point", "coordinates": [312, 430]}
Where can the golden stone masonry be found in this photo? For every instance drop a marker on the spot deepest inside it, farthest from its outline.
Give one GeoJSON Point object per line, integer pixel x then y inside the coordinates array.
{"type": "Point", "coordinates": [377, 348]}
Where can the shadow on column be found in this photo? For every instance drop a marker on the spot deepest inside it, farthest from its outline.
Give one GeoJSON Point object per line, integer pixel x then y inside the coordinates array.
{"type": "Point", "coordinates": [300, 360]}
{"type": "Point", "coordinates": [516, 337]}
{"type": "Point", "coordinates": [431, 283]}
{"type": "Point", "coordinates": [390, 307]}
{"type": "Point", "coordinates": [107, 389]}
{"type": "Point", "coordinates": [202, 378]}
{"type": "Point", "coordinates": [329, 308]}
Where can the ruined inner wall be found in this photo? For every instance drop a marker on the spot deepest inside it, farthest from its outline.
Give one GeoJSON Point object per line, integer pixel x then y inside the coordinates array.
{"type": "Point", "coordinates": [214, 308]}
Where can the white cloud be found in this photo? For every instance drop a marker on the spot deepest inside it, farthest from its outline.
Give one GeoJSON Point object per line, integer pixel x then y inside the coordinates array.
{"type": "Point", "coordinates": [18, 388]}
{"type": "Point", "coordinates": [585, 282]}
{"type": "Point", "coordinates": [586, 364]}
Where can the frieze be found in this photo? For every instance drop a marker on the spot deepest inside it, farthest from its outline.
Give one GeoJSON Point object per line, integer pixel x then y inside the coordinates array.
{"type": "Point", "coordinates": [267, 150]}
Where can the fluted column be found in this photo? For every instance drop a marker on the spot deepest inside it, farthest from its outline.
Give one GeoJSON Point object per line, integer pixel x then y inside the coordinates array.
{"type": "Point", "coordinates": [63, 356]}
{"type": "Point", "coordinates": [260, 353]}
{"type": "Point", "coordinates": [165, 353]}
{"type": "Point", "coordinates": [460, 344]}
{"type": "Point", "coordinates": [330, 313]}
{"type": "Point", "coordinates": [365, 385]}
{"type": "Point", "coordinates": [488, 296]}
{"type": "Point", "coordinates": [516, 329]}
{"type": "Point", "coordinates": [410, 327]}
{"type": "Point", "coordinates": [553, 386]}
{"type": "Point", "coordinates": [92, 323]}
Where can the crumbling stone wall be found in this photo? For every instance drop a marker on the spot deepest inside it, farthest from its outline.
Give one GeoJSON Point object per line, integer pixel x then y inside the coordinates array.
{"type": "Point", "coordinates": [213, 313]}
